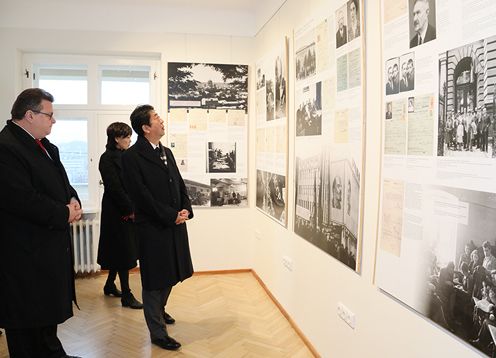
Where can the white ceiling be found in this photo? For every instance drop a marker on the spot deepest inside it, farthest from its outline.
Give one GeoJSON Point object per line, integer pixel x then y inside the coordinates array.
{"type": "Point", "coordinates": [212, 17]}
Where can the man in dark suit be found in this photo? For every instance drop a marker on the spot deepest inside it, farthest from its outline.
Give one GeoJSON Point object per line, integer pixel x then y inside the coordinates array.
{"type": "Point", "coordinates": [389, 111]}
{"type": "Point", "coordinates": [389, 83]}
{"type": "Point", "coordinates": [162, 207]}
{"type": "Point", "coordinates": [424, 32]}
{"type": "Point", "coordinates": [404, 77]}
{"type": "Point", "coordinates": [341, 34]}
{"type": "Point", "coordinates": [37, 204]}
{"type": "Point", "coordinates": [410, 75]}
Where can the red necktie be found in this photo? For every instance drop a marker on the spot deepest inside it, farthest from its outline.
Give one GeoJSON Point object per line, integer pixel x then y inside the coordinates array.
{"type": "Point", "coordinates": [38, 141]}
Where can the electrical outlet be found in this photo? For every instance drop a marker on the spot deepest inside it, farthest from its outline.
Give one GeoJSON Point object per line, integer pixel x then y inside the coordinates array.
{"type": "Point", "coordinates": [346, 315]}
{"type": "Point", "coordinates": [287, 262]}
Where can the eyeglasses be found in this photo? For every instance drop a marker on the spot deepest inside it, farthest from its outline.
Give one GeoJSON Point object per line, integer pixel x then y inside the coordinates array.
{"type": "Point", "coordinates": [50, 115]}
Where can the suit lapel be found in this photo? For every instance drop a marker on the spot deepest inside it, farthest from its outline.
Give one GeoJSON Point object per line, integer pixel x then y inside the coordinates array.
{"type": "Point", "coordinates": [145, 149]}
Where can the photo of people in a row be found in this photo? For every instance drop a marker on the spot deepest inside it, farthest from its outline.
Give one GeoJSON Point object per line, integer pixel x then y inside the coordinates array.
{"type": "Point", "coordinates": [463, 295]}
{"type": "Point", "coordinates": [400, 78]}
{"type": "Point", "coordinates": [467, 101]}
{"type": "Point", "coordinates": [469, 131]}
{"type": "Point", "coordinates": [228, 192]}
{"type": "Point", "coordinates": [460, 266]}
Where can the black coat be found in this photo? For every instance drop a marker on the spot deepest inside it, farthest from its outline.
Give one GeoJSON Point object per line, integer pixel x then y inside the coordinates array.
{"type": "Point", "coordinates": [158, 193]}
{"type": "Point", "coordinates": [117, 248]}
{"type": "Point", "coordinates": [430, 35]}
{"type": "Point", "coordinates": [36, 265]}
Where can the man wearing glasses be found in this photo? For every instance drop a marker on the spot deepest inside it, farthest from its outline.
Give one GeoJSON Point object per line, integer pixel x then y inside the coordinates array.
{"type": "Point", "coordinates": [37, 204]}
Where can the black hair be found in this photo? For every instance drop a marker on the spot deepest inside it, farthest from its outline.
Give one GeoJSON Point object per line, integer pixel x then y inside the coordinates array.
{"type": "Point", "coordinates": [29, 99]}
{"type": "Point", "coordinates": [116, 130]}
{"type": "Point", "coordinates": [140, 117]}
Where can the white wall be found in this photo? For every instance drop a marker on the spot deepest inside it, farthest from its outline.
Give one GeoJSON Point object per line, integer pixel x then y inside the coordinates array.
{"type": "Point", "coordinates": [310, 293]}
{"type": "Point", "coordinates": [225, 238]}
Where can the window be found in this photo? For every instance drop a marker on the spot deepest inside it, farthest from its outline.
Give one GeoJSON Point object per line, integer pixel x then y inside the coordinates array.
{"type": "Point", "coordinates": [71, 137]}
{"type": "Point", "coordinates": [90, 93]}
{"type": "Point", "coordinates": [129, 85]}
{"type": "Point", "coordinates": [67, 84]}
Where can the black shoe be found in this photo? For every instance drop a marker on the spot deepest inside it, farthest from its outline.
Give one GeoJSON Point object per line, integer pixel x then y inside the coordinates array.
{"type": "Point", "coordinates": [168, 343]}
{"type": "Point", "coordinates": [111, 290]}
{"type": "Point", "coordinates": [128, 300]}
{"type": "Point", "coordinates": [168, 318]}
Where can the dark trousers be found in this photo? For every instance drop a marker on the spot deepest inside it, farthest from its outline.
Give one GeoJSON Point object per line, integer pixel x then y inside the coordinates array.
{"type": "Point", "coordinates": [40, 342]}
{"type": "Point", "coordinates": [153, 307]}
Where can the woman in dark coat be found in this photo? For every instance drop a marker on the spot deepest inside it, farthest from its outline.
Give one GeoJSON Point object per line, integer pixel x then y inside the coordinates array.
{"type": "Point", "coordinates": [117, 249]}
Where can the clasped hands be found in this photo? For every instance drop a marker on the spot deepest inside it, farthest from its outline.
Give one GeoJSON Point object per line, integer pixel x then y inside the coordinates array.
{"type": "Point", "coordinates": [75, 211]}
{"type": "Point", "coordinates": [182, 216]}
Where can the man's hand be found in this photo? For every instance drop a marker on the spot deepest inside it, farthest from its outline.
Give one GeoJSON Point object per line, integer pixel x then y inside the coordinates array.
{"type": "Point", "coordinates": [75, 211]}
{"type": "Point", "coordinates": [182, 216]}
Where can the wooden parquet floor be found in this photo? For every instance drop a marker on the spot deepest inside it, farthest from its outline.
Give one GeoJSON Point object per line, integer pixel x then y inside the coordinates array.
{"type": "Point", "coordinates": [218, 315]}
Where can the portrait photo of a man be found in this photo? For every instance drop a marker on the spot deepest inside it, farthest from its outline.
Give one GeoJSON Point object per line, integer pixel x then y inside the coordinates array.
{"type": "Point", "coordinates": [353, 19]}
{"type": "Point", "coordinates": [422, 22]}
{"type": "Point", "coordinates": [389, 110]}
{"type": "Point", "coordinates": [392, 76]}
{"type": "Point", "coordinates": [341, 31]}
{"type": "Point", "coordinates": [407, 75]}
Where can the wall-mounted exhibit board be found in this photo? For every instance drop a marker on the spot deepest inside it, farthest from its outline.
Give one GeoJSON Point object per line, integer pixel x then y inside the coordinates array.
{"type": "Point", "coordinates": [438, 201]}
{"type": "Point", "coordinates": [329, 129]}
{"type": "Point", "coordinates": [207, 131]}
{"type": "Point", "coordinates": [272, 133]}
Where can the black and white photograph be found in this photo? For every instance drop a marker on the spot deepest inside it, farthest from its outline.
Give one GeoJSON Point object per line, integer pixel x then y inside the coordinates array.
{"type": "Point", "coordinates": [269, 100]}
{"type": "Point", "coordinates": [309, 110]}
{"type": "Point", "coordinates": [422, 14]}
{"type": "Point", "coordinates": [322, 191]}
{"type": "Point", "coordinates": [389, 110]}
{"type": "Point", "coordinates": [221, 157]}
{"type": "Point", "coordinates": [411, 104]}
{"type": "Point", "coordinates": [208, 86]}
{"type": "Point", "coordinates": [228, 192]}
{"type": "Point", "coordinates": [466, 116]}
{"type": "Point", "coordinates": [392, 71]}
{"type": "Point", "coordinates": [280, 87]}
{"type": "Point", "coordinates": [271, 193]}
{"type": "Point", "coordinates": [260, 79]}
{"type": "Point", "coordinates": [341, 26]}
{"type": "Point", "coordinates": [337, 190]}
{"type": "Point", "coordinates": [351, 192]}
{"type": "Point", "coordinates": [198, 192]}
{"type": "Point", "coordinates": [460, 289]}
{"type": "Point", "coordinates": [353, 20]}
{"type": "Point", "coordinates": [407, 72]}
{"type": "Point", "coordinates": [306, 61]}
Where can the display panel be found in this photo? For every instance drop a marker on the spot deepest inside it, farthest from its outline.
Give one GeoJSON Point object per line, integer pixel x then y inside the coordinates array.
{"type": "Point", "coordinates": [438, 202]}
{"type": "Point", "coordinates": [272, 133]}
{"type": "Point", "coordinates": [207, 131]}
{"type": "Point", "coordinates": [329, 132]}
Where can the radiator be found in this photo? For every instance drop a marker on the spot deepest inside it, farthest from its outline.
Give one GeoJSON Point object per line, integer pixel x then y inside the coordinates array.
{"type": "Point", "coordinates": [85, 235]}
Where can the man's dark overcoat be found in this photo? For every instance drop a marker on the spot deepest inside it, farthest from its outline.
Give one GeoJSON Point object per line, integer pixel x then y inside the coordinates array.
{"type": "Point", "coordinates": [158, 193]}
{"type": "Point", "coordinates": [36, 265]}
